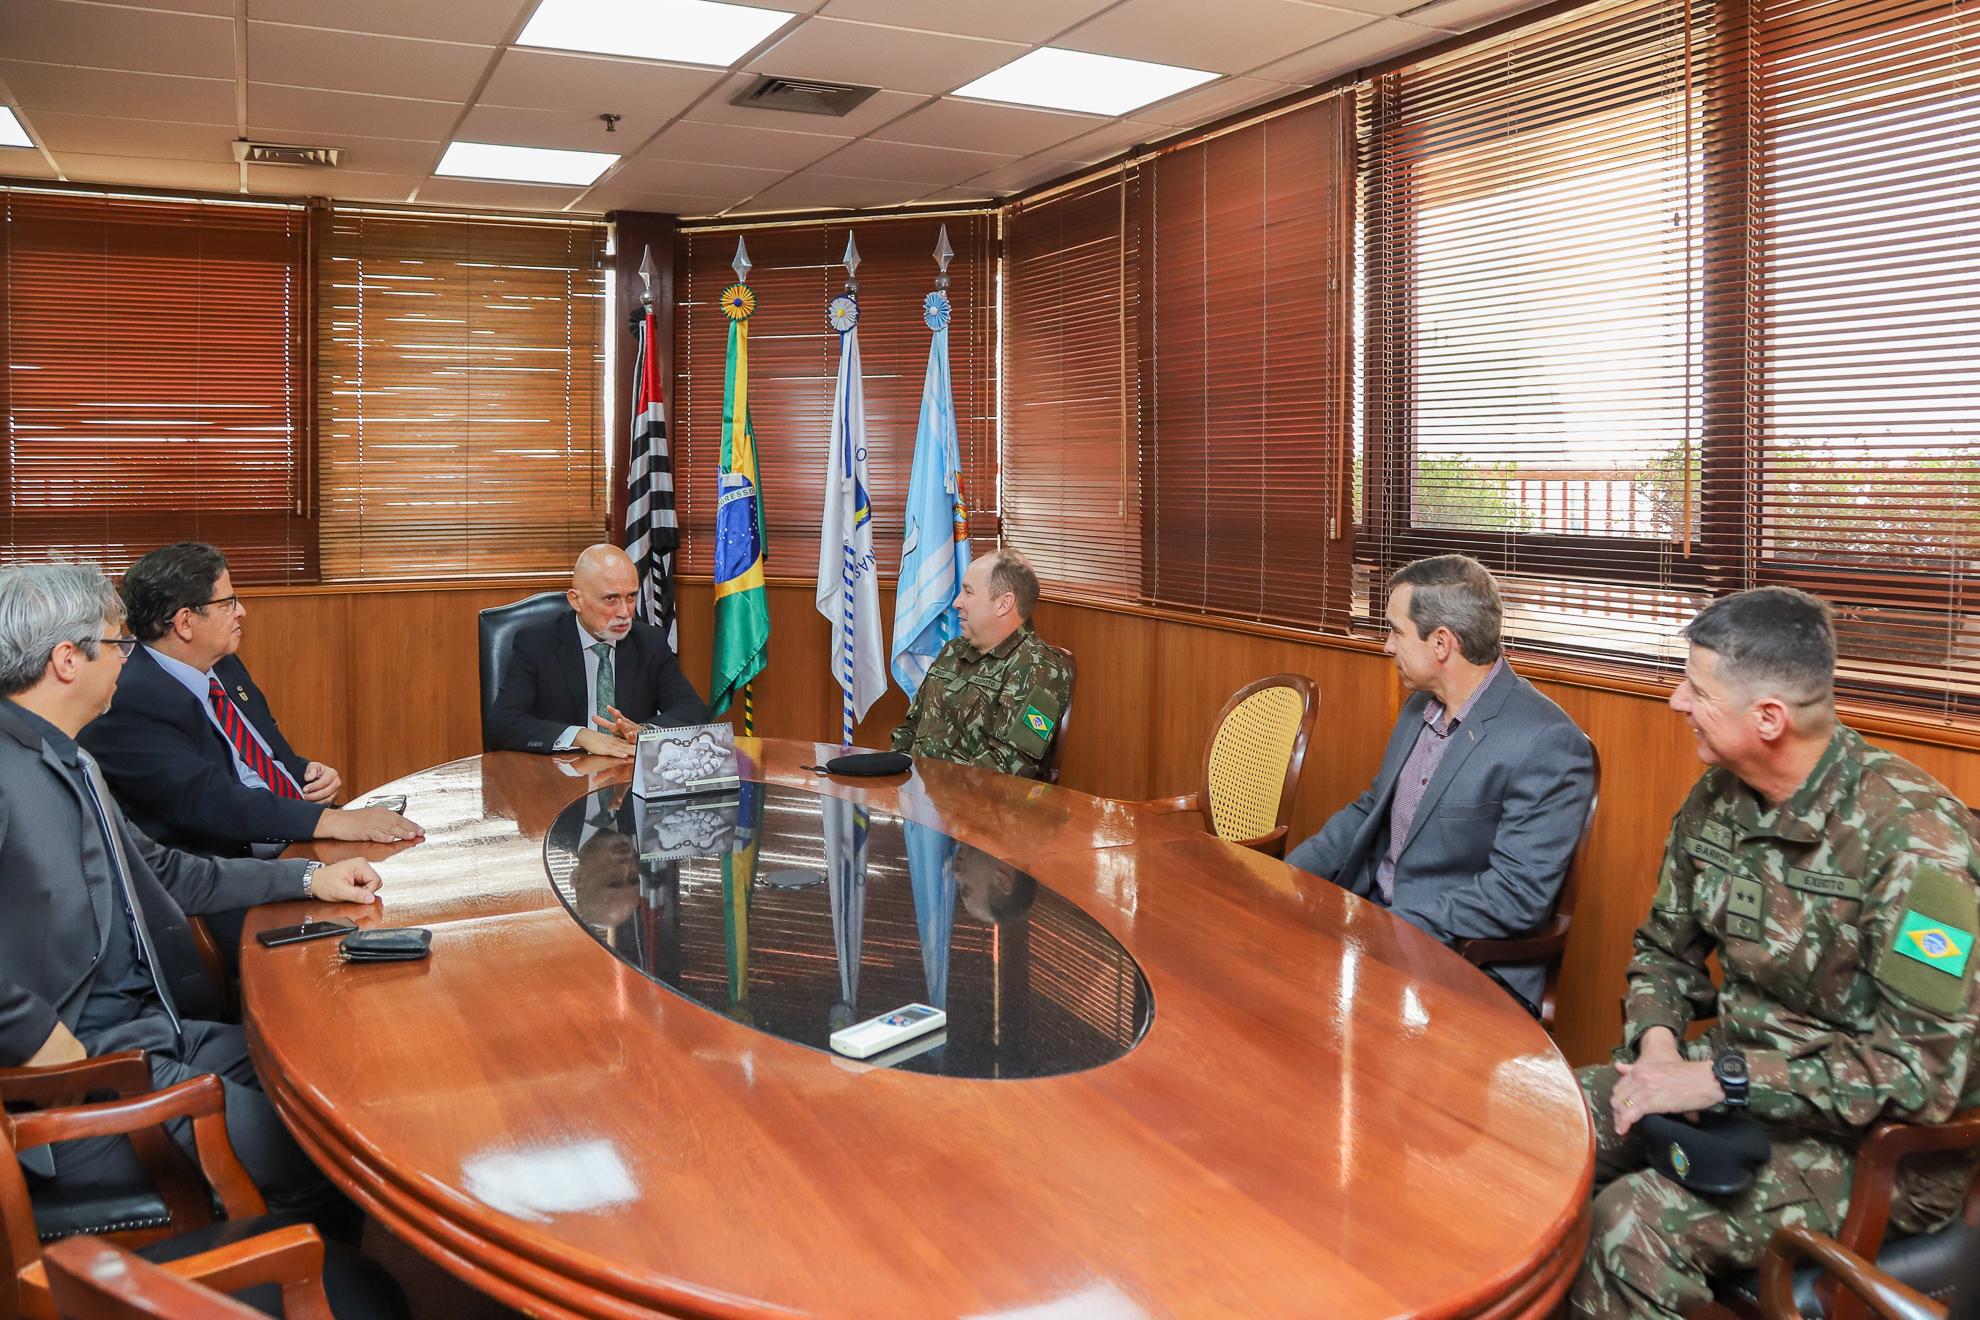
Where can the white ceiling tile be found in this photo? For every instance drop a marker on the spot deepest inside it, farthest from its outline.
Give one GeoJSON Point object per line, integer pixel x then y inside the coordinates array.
{"type": "Point", "coordinates": [303, 110]}
{"type": "Point", "coordinates": [112, 37]}
{"type": "Point", "coordinates": [1007, 20]}
{"type": "Point", "coordinates": [934, 166]}
{"type": "Point", "coordinates": [505, 196]}
{"type": "Point", "coordinates": [974, 126]}
{"type": "Point", "coordinates": [374, 66]}
{"type": "Point", "coordinates": [964, 195]}
{"type": "Point", "coordinates": [812, 192]}
{"type": "Point", "coordinates": [897, 58]}
{"type": "Point", "coordinates": [104, 136]}
{"type": "Point", "coordinates": [1024, 174]}
{"type": "Point", "coordinates": [1110, 141]}
{"type": "Point", "coordinates": [546, 80]}
{"type": "Point", "coordinates": [1380, 40]}
{"type": "Point", "coordinates": [1464, 15]}
{"type": "Point", "coordinates": [1213, 102]}
{"type": "Point", "coordinates": [478, 22]}
{"type": "Point", "coordinates": [566, 130]}
{"type": "Point", "coordinates": [870, 114]}
{"type": "Point", "coordinates": [343, 184]}
{"type": "Point", "coordinates": [663, 203]}
{"type": "Point", "coordinates": [25, 163]}
{"type": "Point", "coordinates": [124, 95]}
{"type": "Point", "coordinates": [362, 155]}
{"type": "Point", "coordinates": [1231, 36]}
{"type": "Point", "coordinates": [726, 144]}
{"type": "Point", "coordinates": [149, 172]}
{"type": "Point", "coordinates": [692, 180]}
{"type": "Point", "coordinates": [222, 8]}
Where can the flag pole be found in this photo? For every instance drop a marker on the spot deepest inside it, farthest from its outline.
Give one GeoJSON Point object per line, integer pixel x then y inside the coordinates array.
{"type": "Point", "coordinates": [846, 588]}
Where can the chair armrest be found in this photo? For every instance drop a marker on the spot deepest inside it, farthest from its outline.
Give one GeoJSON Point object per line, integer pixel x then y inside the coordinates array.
{"type": "Point", "coordinates": [1862, 1230]}
{"type": "Point", "coordinates": [127, 1072]}
{"type": "Point", "coordinates": [1272, 845]}
{"type": "Point", "coordinates": [1879, 1291]}
{"type": "Point", "coordinates": [1549, 940]}
{"type": "Point", "coordinates": [86, 1273]}
{"type": "Point", "coordinates": [1169, 805]}
{"type": "Point", "coordinates": [203, 1100]}
{"type": "Point", "coordinates": [291, 1257]}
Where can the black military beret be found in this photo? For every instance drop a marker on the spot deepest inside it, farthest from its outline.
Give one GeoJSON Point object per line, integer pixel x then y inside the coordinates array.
{"type": "Point", "coordinates": [1716, 1155]}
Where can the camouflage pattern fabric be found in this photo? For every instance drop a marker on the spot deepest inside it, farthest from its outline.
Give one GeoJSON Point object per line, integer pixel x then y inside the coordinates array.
{"type": "Point", "coordinates": [1844, 921]}
{"type": "Point", "coordinates": [997, 708]}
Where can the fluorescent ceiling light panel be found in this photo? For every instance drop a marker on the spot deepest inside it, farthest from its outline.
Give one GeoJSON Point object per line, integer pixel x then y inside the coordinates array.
{"type": "Point", "coordinates": [11, 132]}
{"type": "Point", "coordinates": [681, 31]}
{"type": "Point", "coordinates": [1073, 80]}
{"type": "Point", "coordinates": [484, 160]}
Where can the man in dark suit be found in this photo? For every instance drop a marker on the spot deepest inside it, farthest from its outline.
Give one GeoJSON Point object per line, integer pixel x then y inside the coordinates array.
{"type": "Point", "coordinates": [588, 682]}
{"type": "Point", "coordinates": [95, 953]}
{"type": "Point", "coordinates": [189, 744]}
{"type": "Point", "coordinates": [1468, 830]}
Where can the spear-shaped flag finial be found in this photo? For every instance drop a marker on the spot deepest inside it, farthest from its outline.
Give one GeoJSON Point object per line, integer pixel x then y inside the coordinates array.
{"type": "Point", "coordinates": [943, 252]}
{"type": "Point", "coordinates": [648, 272]}
{"type": "Point", "coordinates": [851, 264]}
{"type": "Point", "coordinates": [742, 263]}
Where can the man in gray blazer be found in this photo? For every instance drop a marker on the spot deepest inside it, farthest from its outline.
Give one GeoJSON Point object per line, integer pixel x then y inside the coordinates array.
{"type": "Point", "coordinates": [1467, 831]}
{"type": "Point", "coordinates": [95, 952]}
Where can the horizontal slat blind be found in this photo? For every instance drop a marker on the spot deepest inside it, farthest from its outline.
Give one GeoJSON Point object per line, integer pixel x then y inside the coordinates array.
{"type": "Point", "coordinates": [461, 395]}
{"type": "Point", "coordinates": [156, 380]}
{"type": "Point", "coordinates": [794, 363]}
{"type": "Point", "coordinates": [1531, 227]}
{"type": "Point", "coordinates": [1247, 302]}
{"type": "Point", "coordinates": [1072, 437]}
{"type": "Point", "coordinates": [1853, 165]}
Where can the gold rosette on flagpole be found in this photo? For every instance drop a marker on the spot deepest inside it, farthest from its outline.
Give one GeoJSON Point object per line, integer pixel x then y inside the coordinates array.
{"type": "Point", "coordinates": [738, 302]}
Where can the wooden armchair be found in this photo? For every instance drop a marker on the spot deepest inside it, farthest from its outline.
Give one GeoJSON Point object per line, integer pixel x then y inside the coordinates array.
{"type": "Point", "coordinates": [1549, 943]}
{"type": "Point", "coordinates": [90, 1279]}
{"type": "Point", "coordinates": [1252, 764]}
{"type": "Point", "coordinates": [1925, 1266]}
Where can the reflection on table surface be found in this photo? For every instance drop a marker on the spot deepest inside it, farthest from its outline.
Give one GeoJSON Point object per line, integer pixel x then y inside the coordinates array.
{"type": "Point", "coordinates": [799, 914]}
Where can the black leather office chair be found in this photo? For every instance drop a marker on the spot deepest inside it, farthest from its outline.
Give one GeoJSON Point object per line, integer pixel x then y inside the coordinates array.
{"type": "Point", "coordinates": [499, 626]}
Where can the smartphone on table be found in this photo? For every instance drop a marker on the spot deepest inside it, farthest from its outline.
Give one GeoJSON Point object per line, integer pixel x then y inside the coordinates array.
{"type": "Point", "coordinates": [322, 928]}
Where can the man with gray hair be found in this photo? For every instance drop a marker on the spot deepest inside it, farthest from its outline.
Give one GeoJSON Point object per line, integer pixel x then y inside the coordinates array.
{"type": "Point", "coordinates": [1836, 883]}
{"type": "Point", "coordinates": [1468, 829]}
{"type": "Point", "coordinates": [95, 952]}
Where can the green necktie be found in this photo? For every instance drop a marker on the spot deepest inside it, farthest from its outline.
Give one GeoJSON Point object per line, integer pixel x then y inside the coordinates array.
{"type": "Point", "coordinates": [607, 689]}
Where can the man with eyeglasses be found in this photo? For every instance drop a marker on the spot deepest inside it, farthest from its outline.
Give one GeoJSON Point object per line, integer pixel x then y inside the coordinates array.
{"type": "Point", "coordinates": [95, 952]}
{"type": "Point", "coordinates": [189, 744]}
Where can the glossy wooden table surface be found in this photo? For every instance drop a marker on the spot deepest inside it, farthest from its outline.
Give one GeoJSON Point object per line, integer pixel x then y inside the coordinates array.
{"type": "Point", "coordinates": [1330, 1115]}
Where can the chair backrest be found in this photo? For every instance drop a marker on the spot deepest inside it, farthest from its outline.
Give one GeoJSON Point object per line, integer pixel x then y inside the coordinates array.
{"type": "Point", "coordinates": [499, 626]}
{"type": "Point", "coordinates": [92, 1280]}
{"type": "Point", "coordinates": [1056, 753]}
{"type": "Point", "coordinates": [1251, 767]}
{"type": "Point", "coordinates": [1570, 892]}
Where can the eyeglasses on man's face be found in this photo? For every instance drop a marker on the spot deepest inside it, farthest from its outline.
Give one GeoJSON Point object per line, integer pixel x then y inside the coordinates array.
{"type": "Point", "coordinates": [229, 602]}
{"type": "Point", "coordinates": [124, 645]}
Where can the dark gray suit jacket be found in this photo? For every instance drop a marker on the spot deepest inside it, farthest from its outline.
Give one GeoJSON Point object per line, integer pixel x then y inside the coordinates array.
{"type": "Point", "coordinates": [59, 895]}
{"type": "Point", "coordinates": [1491, 841]}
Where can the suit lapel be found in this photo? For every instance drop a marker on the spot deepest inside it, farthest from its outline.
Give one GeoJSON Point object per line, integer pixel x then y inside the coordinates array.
{"type": "Point", "coordinates": [570, 663]}
{"type": "Point", "coordinates": [1470, 735]}
{"type": "Point", "coordinates": [1401, 740]}
{"type": "Point", "coordinates": [99, 881]}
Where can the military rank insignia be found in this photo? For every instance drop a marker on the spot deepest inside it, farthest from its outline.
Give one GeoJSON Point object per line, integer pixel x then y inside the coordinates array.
{"type": "Point", "coordinates": [1934, 943]}
{"type": "Point", "coordinates": [1040, 725]}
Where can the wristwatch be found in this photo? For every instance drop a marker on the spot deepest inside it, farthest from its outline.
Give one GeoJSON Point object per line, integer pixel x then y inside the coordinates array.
{"type": "Point", "coordinates": [310, 869]}
{"type": "Point", "coordinates": [1729, 1071]}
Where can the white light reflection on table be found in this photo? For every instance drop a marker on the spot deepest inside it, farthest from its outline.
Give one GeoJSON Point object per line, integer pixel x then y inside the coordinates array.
{"type": "Point", "coordinates": [538, 1183]}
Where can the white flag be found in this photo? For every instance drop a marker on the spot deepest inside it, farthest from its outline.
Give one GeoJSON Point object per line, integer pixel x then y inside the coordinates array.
{"type": "Point", "coordinates": [848, 587]}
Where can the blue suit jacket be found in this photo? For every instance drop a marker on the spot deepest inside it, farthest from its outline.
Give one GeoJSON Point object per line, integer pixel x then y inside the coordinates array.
{"type": "Point", "coordinates": [1491, 840]}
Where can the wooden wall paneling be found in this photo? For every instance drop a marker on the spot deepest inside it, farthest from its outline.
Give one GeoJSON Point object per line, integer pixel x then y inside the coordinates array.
{"type": "Point", "coordinates": [295, 647]}
{"type": "Point", "coordinates": [1111, 738]}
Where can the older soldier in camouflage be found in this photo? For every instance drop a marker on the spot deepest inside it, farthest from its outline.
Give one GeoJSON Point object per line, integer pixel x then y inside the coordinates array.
{"type": "Point", "coordinates": [994, 696]}
{"type": "Point", "coordinates": [1836, 882]}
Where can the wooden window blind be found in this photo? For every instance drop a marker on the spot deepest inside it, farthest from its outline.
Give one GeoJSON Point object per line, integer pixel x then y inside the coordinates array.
{"type": "Point", "coordinates": [1530, 396]}
{"type": "Point", "coordinates": [461, 395]}
{"type": "Point", "coordinates": [1843, 391]}
{"type": "Point", "coordinates": [157, 357]}
{"type": "Point", "coordinates": [1246, 290]}
{"type": "Point", "coordinates": [1072, 386]}
{"type": "Point", "coordinates": [794, 363]}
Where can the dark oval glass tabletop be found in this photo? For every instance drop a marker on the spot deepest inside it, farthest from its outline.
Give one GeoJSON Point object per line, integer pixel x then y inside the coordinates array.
{"type": "Point", "coordinates": [800, 915]}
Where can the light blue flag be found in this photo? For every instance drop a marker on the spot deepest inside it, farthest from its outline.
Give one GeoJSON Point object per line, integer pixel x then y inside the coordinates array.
{"type": "Point", "coordinates": [845, 824]}
{"type": "Point", "coordinates": [935, 550]}
{"type": "Point", "coordinates": [931, 857]}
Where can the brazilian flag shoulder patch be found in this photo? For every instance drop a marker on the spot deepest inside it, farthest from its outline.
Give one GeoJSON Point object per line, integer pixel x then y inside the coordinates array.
{"type": "Point", "coordinates": [1931, 948]}
{"type": "Point", "coordinates": [1041, 723]}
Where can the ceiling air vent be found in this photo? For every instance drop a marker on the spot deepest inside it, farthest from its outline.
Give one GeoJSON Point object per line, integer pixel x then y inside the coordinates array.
{"type": "Point", "coordinates": [802, 96]}
{"type": "Point", "coordinates": [274, 153]}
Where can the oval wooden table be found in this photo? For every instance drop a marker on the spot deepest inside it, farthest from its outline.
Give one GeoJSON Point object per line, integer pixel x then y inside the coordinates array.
{"type": "Point", "coordinates": [1331, 1114]}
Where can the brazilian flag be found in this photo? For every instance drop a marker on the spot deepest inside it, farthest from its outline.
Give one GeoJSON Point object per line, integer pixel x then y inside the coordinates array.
{"type": "Point", "coordinates": [742, 610]}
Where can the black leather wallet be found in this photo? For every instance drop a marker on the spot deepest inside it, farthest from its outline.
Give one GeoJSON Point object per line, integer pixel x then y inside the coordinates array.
{"type": "Point", "coordinates": [387, 944]}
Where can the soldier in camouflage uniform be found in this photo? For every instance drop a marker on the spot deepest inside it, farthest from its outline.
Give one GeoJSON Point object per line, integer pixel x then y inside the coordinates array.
{"type": "Point", "coordinates": [995, 695]}
{"type": "Point", "coordinates": [1836, 882]}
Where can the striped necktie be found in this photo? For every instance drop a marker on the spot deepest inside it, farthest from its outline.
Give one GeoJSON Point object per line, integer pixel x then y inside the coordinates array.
{"type": "Point", "coordinates": [275, 776]}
